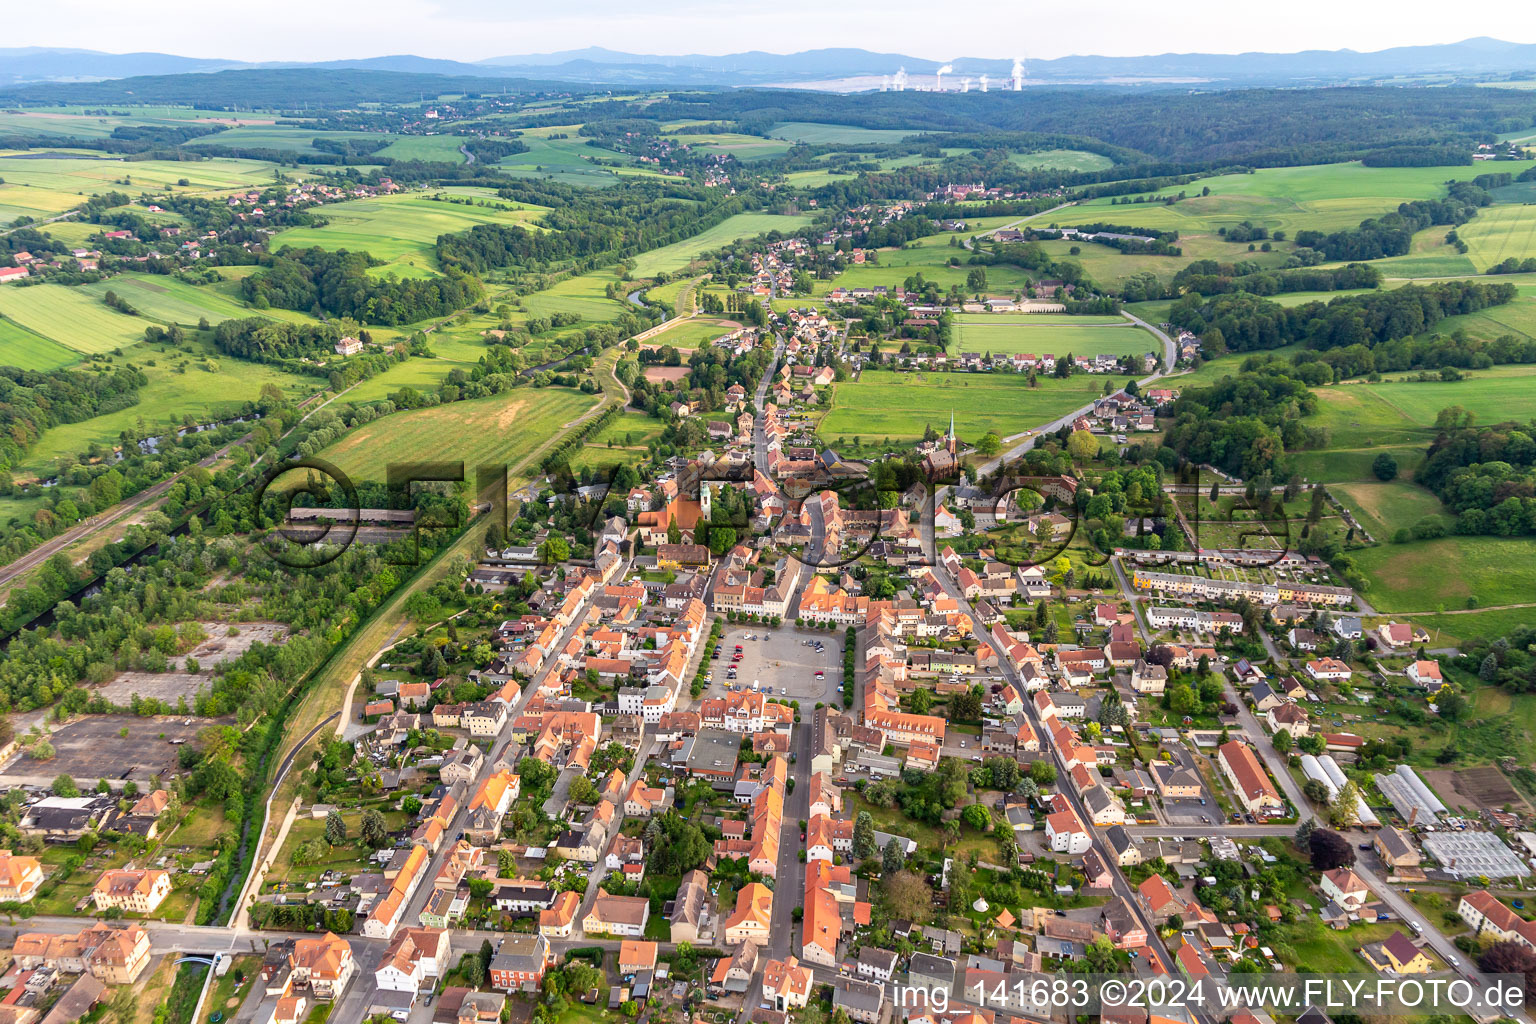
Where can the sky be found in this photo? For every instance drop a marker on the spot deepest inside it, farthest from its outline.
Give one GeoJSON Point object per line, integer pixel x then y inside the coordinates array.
{"type": "Point", "coordinates": [470, 30]}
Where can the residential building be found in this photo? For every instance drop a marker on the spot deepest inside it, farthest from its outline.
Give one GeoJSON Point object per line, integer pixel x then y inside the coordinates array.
{"type": "Point", "coordinates": [134, 892]}
{"type": "Point", "coordinates": [415, 960]}
{"type": "Point", "coordinates": [19, 877]}
{"type": "Point", "coordinates": [519, 963]}
{"type": "Point", "coordinates": [1345, 888]}
{"type": "Point", "coordinates": [623, 916]}
{"type": "Point", "coordinates": [786, 984]}
{"type": "Point", "coordinates": [1249, 780]}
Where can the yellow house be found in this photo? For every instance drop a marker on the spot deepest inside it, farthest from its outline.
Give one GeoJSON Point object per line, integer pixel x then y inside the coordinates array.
{"type": "Point", "coordinates": [1400, 956]}
{"type": "Point", "coordinates": [138, 892]}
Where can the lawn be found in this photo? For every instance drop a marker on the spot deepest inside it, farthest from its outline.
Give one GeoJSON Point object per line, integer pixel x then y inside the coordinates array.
{"type": "Point", "coordinates": [227, 993]}
{"type": "Point", "coordinates": [489, 431]}
{"type": "Point", "coordinates": [1427, 575]}
{"type": "Point", "coordinates": [678, 255]}
{"type": "Point", "coordinates": [170, 395]}
{"type": "Point", "coordinates": [46, 187]}
{"type": "Point", "coordinates": [885, 403]}
{"type": "Point", "coordinates": [1499, 232]}
{"type": "Point", "coordinates": [440, 149]}
{"type": "Point", "coordinates": [400, 229]}
{"type": "Point", "coordinates": [1326, 197]}
{"type": "Point", "coordinates": [836, 134]}
{"type": "Point", "coordinates": [1063, 159]}
{"type": "Point", "coordinates": [162, 298]}
{"type": "Point", "coordinates": [1003, 333]}
{"type": "Point", "coordinates": [69, 317]}
{"type": "Point", "coordinates": [582, 294]}
{"type": "Point", "coordinates": [1315, 943]}
{"type": "Point", "coordinates": [894, 822]}
{"type": "Point", "coordinates": [30, 350]}
{"type": "Point", "coordinates": [692, 334]}
{"type": "Point", "coordinates": [349, 856]}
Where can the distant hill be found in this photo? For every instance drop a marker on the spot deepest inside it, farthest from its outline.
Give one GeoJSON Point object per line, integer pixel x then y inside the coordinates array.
{"type": "Point", "coordinates": [1478, 57]}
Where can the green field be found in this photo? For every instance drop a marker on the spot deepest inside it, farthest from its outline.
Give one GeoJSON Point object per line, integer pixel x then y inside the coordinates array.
{"type": "Point", "coordinates": [568, 160]}
{"type": "Point", "coordinates": [1385, 508]}
{"type": "Point", "coordinates": [46, 187]}
{"type": "Point", "coordinates": [487, 431]}
{"type": "Point", "coordinates": [179, 385]}
{"type": "Point", "coordinates": [1326, 197]}
{"type": "Point", "coordinates": [400, 229]}
{"type": "Point", "coordinates": [885, 403]}
{"type": "Point", "coordinates": [1001, 332]}
{"type": "Point", "coordinates": [745, 148]}
{"type": "Point", "coordinates": [440, 149]}
{"type": "Point", "coordinates": [69, 317]}
{"type": "Point", "coordinates": [836, 134]}
{"type": "Point", "coordinates": [674, 257]}
{"type": "Point", "coordinates": [288, 139]}
{"type": "Point", "coordinates": [582, 294]}
{"type": "Point", "coordinates": [692, 333]}
{"type": "Point", "coordinates": [1063, 159]}
{"type": "Point", "coordinates": [166, 299]}
{"type": "Point", "coordinates": [1367, 415]}
{"type": "Point", "coordinates": [455, 348]}
{"type": "Point", "coordinates": [1499, 232]}
{"type": "Point", "coordinates": [929, 256]}
{"type": "Point", "coordinates": [622, 441]}
{"type": "Point", "coordinates": [1448, 630]}
{"type": "Point", "coordinates": [1421, 576]}
{"type": "Point", "coordinates": [31, 351]}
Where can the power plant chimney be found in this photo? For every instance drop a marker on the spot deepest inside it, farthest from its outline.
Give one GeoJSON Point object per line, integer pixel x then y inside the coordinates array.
{"type": "Point", "coordinates": [938, 77]}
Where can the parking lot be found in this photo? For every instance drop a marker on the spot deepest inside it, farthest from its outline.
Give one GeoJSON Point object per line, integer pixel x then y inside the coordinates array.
{"type": "Point", "coordinates": [782, 661]}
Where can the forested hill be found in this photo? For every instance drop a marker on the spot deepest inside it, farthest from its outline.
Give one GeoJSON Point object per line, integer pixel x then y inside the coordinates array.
{"type": "Point", "coordinates": [1236, 125]}
{"type": "Point", "coordinates": [276, 89]}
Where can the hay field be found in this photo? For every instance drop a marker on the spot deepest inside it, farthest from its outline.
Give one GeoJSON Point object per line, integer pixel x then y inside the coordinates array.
{"type": "Point", "coordinates": [486, 431]}
{"type": "Point", "coordinates": [885, 403]}
{"type": "Point", "coordinates": [674, 257]}
{"type": "Point", "coordinates": [400, 229]}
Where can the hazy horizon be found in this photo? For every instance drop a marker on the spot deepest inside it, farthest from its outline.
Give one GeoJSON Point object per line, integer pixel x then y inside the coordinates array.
{"type": "Point", "coordinates": [474, 30]}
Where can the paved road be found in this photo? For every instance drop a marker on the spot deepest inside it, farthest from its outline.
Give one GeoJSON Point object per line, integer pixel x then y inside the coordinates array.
{"type": "Point", "coordinates": [1170, 355]}
{"type": "Point", "coordinates": [759, 437]}
{"type": "Point", "coordinates": [1121, 886]}
{"type": "Point", "coordinates": [353, 1006]}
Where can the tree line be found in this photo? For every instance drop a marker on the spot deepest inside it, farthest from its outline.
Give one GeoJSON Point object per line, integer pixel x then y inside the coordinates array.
{"type": "Point", "coordinates": [321, 282]}
{"type": "Point", "coordinates": [1241, 322]}
{"type": "Point", "coordinates": [1485, 475]}
{"type": "Point", "coordinates": [31, 401]}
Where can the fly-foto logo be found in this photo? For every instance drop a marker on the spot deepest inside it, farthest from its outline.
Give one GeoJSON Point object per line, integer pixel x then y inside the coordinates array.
{"type": "Point", "coordinates": [828, 518]}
